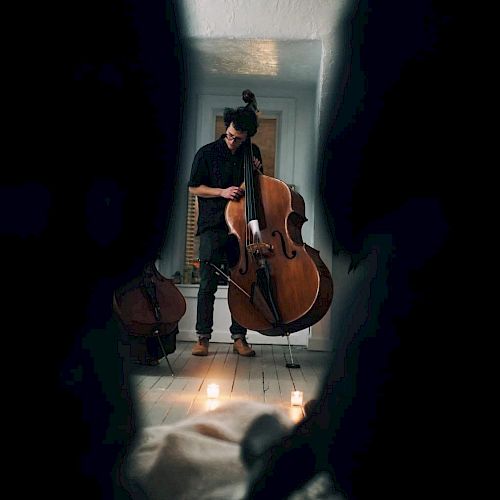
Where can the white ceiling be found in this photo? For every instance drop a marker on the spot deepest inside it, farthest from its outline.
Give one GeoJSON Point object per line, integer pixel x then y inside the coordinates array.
{"type": "Point", "coordinates": [276, 63]}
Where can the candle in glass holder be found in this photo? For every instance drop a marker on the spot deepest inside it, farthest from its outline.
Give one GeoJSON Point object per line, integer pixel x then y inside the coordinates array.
{"type": "Point", "coordinates": [213, 391]}
{"type": "Point", "coordinates": [296, 399]}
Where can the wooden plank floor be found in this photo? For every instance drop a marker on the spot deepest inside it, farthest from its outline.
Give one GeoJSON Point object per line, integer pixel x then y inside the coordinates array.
{"type": "Point", "coordinates": [164, 399]}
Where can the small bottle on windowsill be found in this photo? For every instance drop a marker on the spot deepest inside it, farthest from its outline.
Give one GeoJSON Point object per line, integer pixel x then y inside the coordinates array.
{"type": "Point", "coordinates": [188, 275]}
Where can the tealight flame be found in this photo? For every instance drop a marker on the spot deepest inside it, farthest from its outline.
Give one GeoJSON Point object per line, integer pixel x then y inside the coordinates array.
{"type": "Point", "coordinates": [213, 391]}
{"type": "Point", "coordinates": [296, 398]}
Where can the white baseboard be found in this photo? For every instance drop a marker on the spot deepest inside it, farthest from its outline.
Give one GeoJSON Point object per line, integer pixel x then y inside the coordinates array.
{"type": "Point", "coordinates": [297, 338]}
{"type": "Point", "coordinates": [222, 322]}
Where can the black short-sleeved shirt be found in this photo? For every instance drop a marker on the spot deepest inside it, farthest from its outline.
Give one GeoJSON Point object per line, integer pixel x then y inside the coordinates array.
{"type": "Point", "coordinates": [215, 166]}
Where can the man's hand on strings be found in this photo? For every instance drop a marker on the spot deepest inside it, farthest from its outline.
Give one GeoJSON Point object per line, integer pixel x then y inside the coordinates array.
{"type": "Point", "coordinates": [257, 164]}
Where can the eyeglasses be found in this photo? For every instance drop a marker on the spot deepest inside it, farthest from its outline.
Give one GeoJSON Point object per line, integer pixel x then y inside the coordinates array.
{"type": "Point", "coordinates": [231, 137]}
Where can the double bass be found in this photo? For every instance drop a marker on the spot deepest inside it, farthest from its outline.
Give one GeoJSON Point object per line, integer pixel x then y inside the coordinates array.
{"type": "Point", "coordinates": [148, 306]}
{"type": "Point", "coordinates": [279, 284]}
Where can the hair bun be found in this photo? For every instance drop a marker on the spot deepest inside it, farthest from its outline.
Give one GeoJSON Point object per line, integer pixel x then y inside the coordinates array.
{"type": "Point", "coordinates": [248, 96]}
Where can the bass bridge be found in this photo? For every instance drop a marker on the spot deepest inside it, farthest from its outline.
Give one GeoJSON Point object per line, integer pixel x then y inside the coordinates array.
{"type": "Point", "coordinates": [260, 248]}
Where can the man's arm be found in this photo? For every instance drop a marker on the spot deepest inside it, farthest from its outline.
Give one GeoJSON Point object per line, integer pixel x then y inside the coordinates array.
{"type": "Point", "coordinates": [230, 193]}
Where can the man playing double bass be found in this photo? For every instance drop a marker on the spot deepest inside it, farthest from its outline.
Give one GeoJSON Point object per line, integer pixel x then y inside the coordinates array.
{"type": "Point", "coordinates": [216, 176]}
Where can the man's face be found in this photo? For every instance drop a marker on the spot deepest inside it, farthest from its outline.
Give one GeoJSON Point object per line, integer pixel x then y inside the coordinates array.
{"type": "Point", "coordinates": [234, 138]}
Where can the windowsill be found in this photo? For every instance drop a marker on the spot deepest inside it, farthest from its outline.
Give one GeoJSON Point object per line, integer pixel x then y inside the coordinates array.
{"type": "Point", "coordinates": [190, 291]}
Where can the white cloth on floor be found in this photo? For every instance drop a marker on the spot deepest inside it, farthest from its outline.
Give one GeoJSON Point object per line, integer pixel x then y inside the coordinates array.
{"type": "Point", "coordinates": [198, 457]}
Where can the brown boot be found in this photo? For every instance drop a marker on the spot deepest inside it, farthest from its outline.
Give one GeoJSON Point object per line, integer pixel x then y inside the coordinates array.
{"type": "Point", "coordinates": [201, 347]}
{"type": "Point", "coordinates": [242, 348]}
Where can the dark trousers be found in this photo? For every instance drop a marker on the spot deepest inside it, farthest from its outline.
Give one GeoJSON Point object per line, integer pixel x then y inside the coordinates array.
{"type": "Point", "coordinates": [212, 248]}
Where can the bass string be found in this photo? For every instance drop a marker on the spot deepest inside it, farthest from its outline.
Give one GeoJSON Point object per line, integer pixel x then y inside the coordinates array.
{"type": "Point", "coordinates": [249, 188]}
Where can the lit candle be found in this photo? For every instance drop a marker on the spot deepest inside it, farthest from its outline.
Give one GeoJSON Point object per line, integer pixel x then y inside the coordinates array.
{"type": "Point", "coordinates": [213, 391]}
{"type": "Point", "coordinates": [296, 399]}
